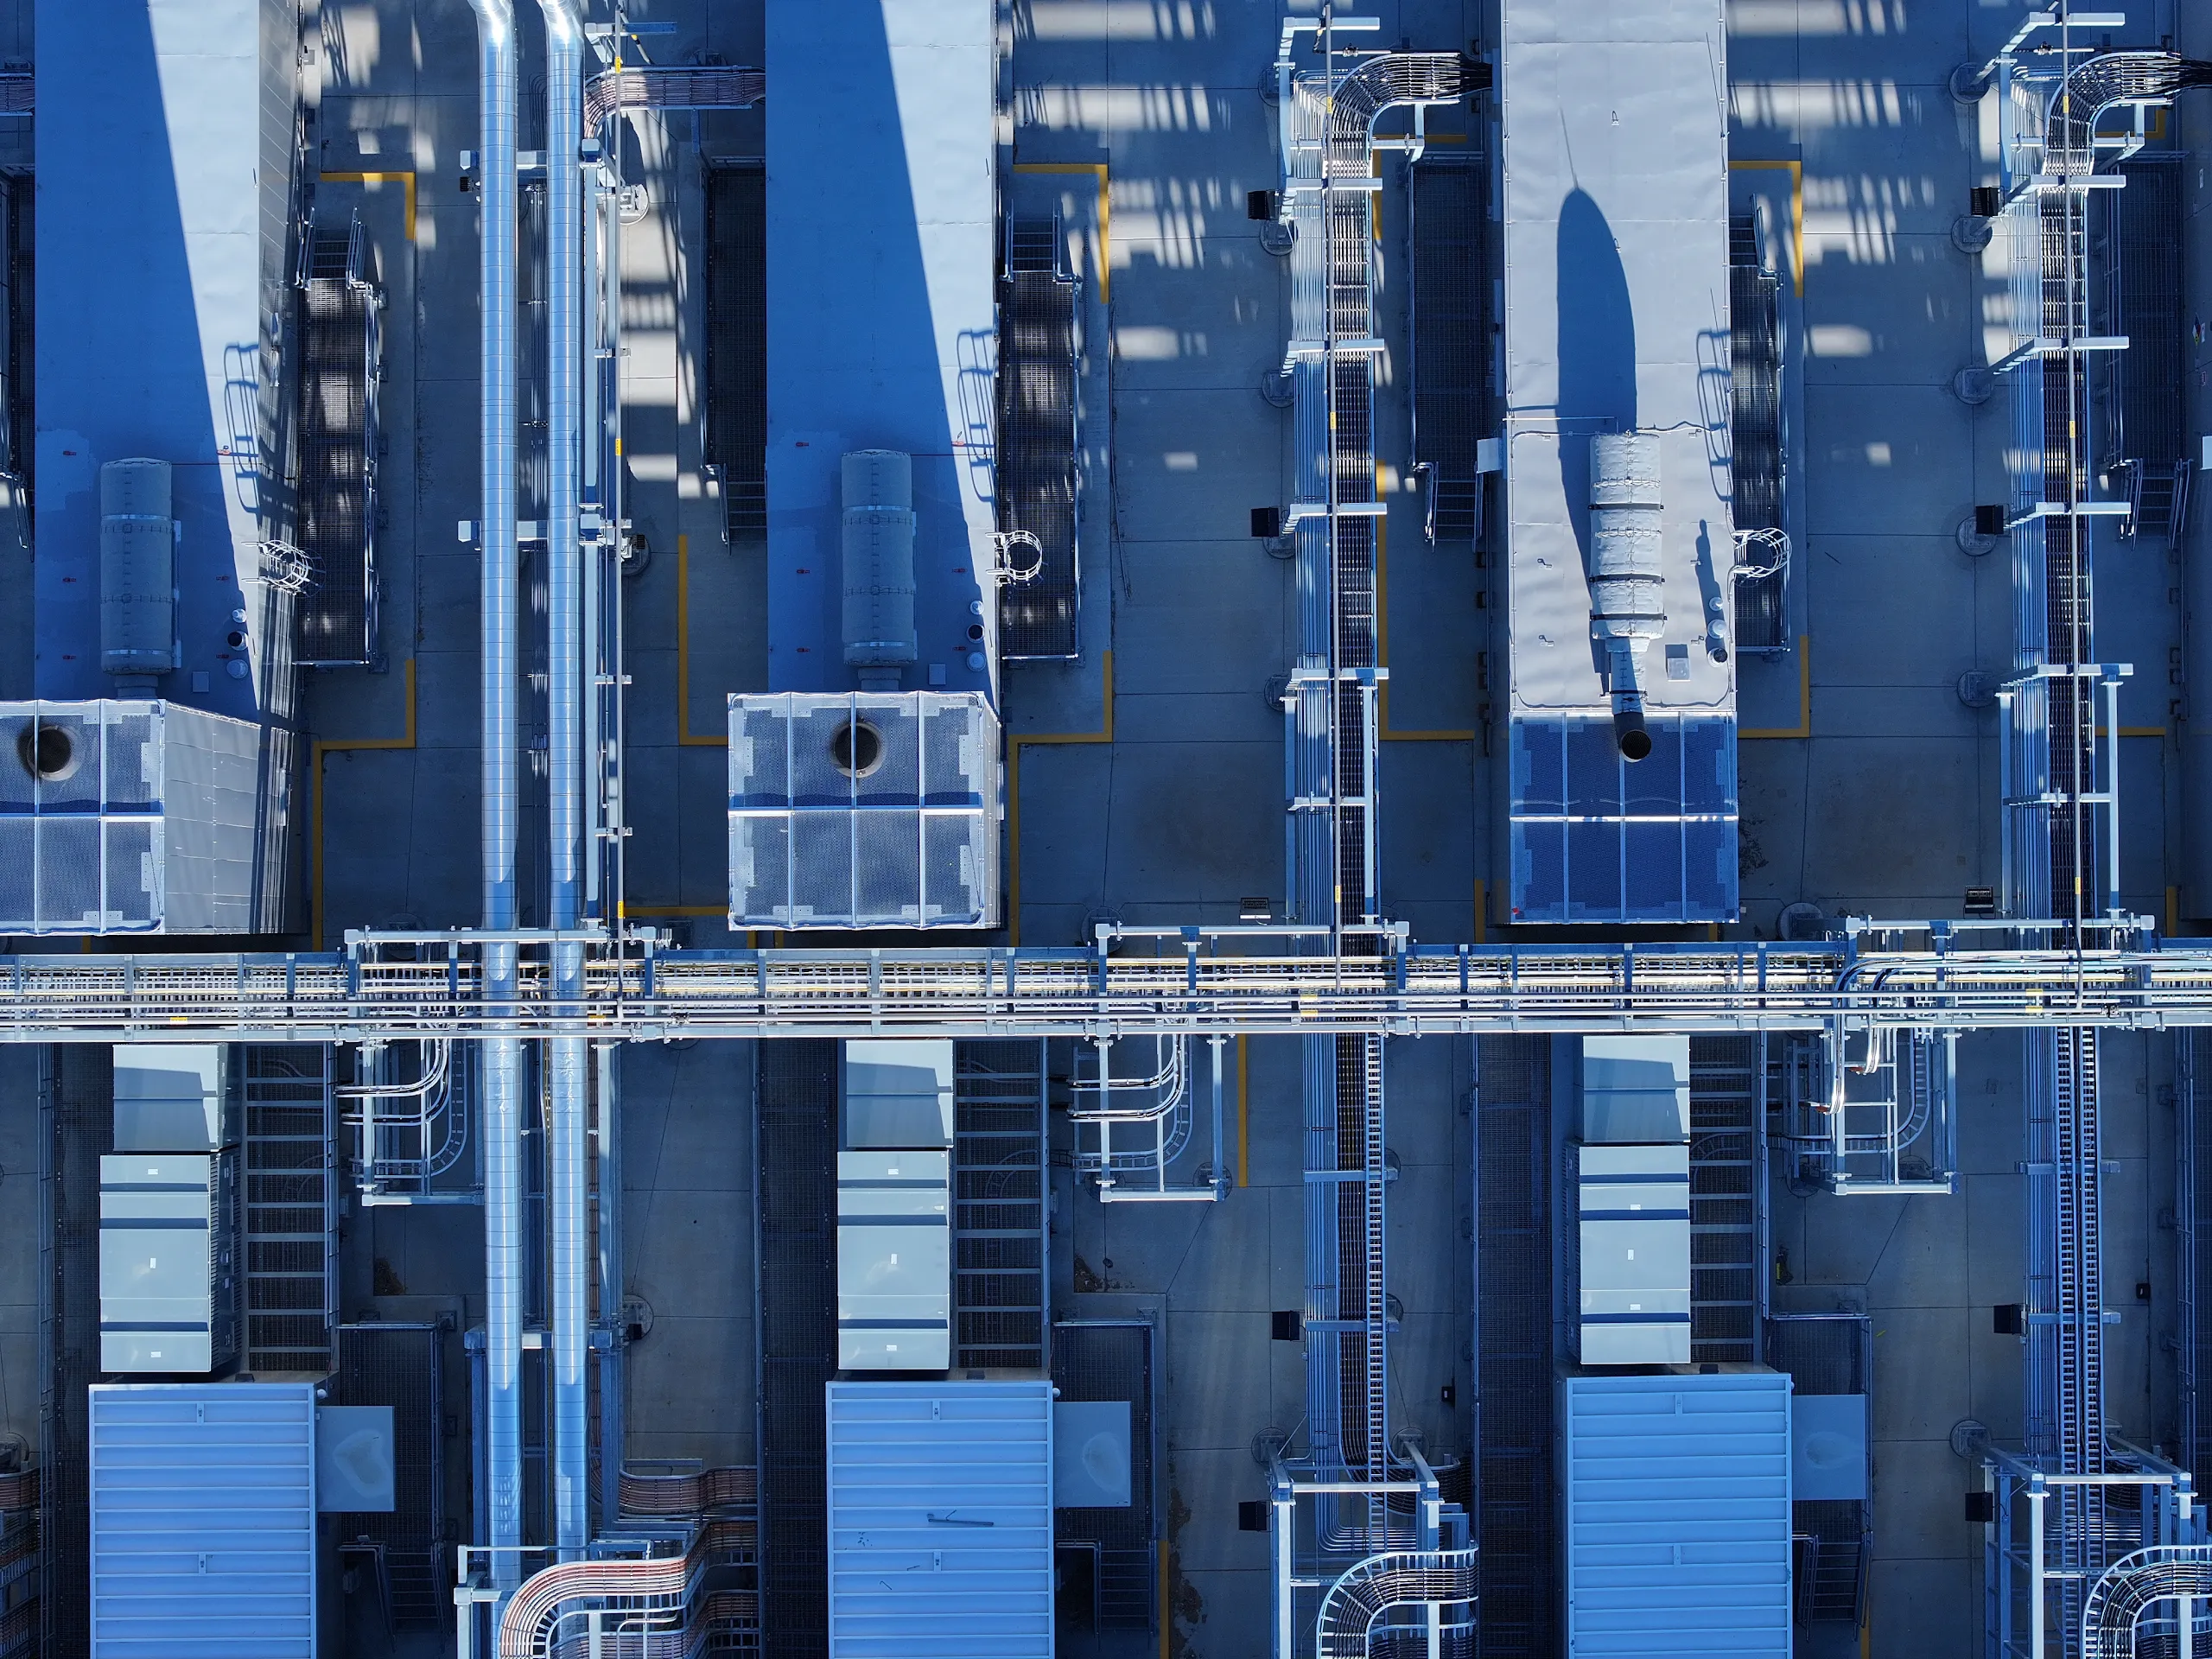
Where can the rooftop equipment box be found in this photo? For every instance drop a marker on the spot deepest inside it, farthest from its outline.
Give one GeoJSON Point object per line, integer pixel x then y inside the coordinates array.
{"type": "Point", "coordinates": [168, 1285]}
{"type": "Point", "coordinates": [1629, 1265]}
{"type": "Point", "coordinates": [202, 1509]}
{"type": "Point", "coordinates": [940, 1518]}
{"type": "Point", "coordinates": [863, 811]}
{"type": "Point", "coordinates": [119, 817]}
{"type": "Point", "coordinates": [1620, 796]}
{"type": "Point", "coordinates": [895, 1203]}
{"type": "Point", "coordinates": [1674, 1496]}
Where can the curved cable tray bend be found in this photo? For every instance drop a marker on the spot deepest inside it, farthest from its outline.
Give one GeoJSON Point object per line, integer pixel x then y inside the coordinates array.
{"type": "Point", "coordinates": [1372, 1587]}
{"type": "Point", "coordinates": [2101, 84]}
{"type": "Point", "coordinates": [2132, 1586]}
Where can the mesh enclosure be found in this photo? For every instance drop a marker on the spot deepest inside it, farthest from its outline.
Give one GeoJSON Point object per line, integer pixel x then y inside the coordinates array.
{"type": "Point", "coordinates": [863, 811]}
{"type": "Point", "coordinates": [138, 817]}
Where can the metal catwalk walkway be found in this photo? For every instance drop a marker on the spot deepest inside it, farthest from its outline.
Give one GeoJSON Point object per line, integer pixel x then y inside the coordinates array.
{"type": "Point", "coordinates": [1426, 990]}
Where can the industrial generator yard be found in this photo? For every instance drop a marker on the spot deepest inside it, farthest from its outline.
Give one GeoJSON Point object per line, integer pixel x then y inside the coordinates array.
{"type": "Point", "coordinates": [1104, 827]}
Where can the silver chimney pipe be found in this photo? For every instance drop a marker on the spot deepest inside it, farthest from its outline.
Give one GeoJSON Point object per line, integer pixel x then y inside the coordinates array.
{"type": "Point", "coordinates": [566, 1180]}
{"type": "Point", "coordinates": [503, 1208]}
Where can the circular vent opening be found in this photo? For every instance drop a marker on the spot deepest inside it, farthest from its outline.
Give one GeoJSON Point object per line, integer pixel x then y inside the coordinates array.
{"type": "Point", "coordinates": [857, 748]}
{"type": "Point", "coordinates": [1635, 743]}
{"type": "Point", "coordinates": [47, 752]}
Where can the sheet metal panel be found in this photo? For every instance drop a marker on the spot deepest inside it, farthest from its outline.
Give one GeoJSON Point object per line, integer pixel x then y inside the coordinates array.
{"type": "Point", "coordinates": [1675, 1497]}
{"type": "Point", "coordinates": [163, 148]}
{"type": "Point", "coordinates": [882, 232]}
{"type": "Point", "coordinates": [203, 1520]}
{"type": "Point", "coordinates": [940, 1519]}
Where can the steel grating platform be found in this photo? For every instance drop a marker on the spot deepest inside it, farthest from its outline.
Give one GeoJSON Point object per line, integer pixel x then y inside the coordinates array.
{"type": "Point", "coordinates": [736, 345]}
{"type": "Point", "coordinates": [796, 1304]}
{"type": "Point", "coordinates": [1039, 328]}
{"type": "Point", "coordinates": [1513, 1393]}
{"type": "Point", "coordinates": [1002, 1299]}
{"type": "Point", "coordinates": [1445, 215]}
{"type": "Point", "coordinates": [339, 369]}
{"type": "Point", "coordinates": [1111, 1360]}
{"type": "Point", "coordinates": [401, 1365]}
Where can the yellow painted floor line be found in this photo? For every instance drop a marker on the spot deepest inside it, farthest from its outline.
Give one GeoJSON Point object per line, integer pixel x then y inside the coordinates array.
{"type": "Point", "coordinates": [1804, 726]}
{"type": "Point", "coordinates": [1014, 744]}
{"type": "Point", "coordinates": [1796, 171]}
{"type": "Point", "coordinates": [349, 744]}
{"type": "Point", "coordinates": [1105, 240]}
{"type": "Point", "coordinates": [685, 738]}
{"type": "Point", "coordinates": [407, 180]}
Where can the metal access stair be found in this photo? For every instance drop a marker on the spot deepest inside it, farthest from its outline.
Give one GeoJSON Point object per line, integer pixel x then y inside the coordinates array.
{"type": "Point", "coordinates": [291, 1209]}
{"type": "Point", "coordinates": [1001, 1302]}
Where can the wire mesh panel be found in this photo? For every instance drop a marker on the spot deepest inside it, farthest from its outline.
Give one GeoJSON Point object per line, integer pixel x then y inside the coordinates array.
{"type": "Point", "coordinates": [2145, 273]}
{"type": "Point", "coordinates": [1111, 1360]}
{"type": "Point", "coordinates": [77, 1086]}
{"type": "Point", "coordinates": [400, 1365]}
{"type": "Point", "coordinates": [1513, 1353]}
{"type": "Point", "coordinates": [866, 810]}
{"type": "Point", "coordinates": [737, 347]}
{"type": "Point", "coordinates": [798, 1108]}
{"type": "Point", "coordinates": [126, 817]}
{"type": "Point", "coordinates": [1450, 343]}
{"type": "Point", "coordinates": [1827, 1354]}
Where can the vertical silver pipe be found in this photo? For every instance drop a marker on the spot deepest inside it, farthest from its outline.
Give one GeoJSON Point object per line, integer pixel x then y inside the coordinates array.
{"type": "Point", "coordinates": [567, 1182]}
{"type": "Point", "coordinates": [613, 1437]}
{"type": "Point", "coordinates": [501, 1454]}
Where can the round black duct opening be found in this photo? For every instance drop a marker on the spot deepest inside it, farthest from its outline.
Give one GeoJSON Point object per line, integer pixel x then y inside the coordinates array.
{"type": "Point", "coordinates": [856, 749]}
{"type": "Point", "coordinates": [47, 752]}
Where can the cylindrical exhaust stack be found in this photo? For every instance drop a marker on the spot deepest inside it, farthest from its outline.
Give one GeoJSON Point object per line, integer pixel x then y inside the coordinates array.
{"type": "Point", "coordinates": [137, 574]}
{"type": "Point", "coordinates": [1628, 604]}
{"type": "Point", "coordinates": [878, 577]}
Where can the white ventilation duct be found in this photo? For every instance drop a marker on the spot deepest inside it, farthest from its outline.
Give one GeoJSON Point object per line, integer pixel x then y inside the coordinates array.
{"type": "Point", "coordinates": [1628, 602]}
{"type": "Point", "coordinates": [879, 566]}
{"type": "Point", "coordinates": [137, 574]}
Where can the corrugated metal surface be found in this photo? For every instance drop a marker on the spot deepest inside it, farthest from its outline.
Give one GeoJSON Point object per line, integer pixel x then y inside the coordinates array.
{"type": "Point", "coordinates": [941, 1519]}
{"type": "Point", "coordinates": [1675, 1490]}
{"type": "Point", "coordinates": [203, 1520]}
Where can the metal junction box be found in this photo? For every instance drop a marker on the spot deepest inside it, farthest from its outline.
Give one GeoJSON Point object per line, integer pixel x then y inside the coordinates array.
{"type": "Point", "coordinates": [1631, 1253]}
{"type": "Point", "coordinates": [168, 1283]}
